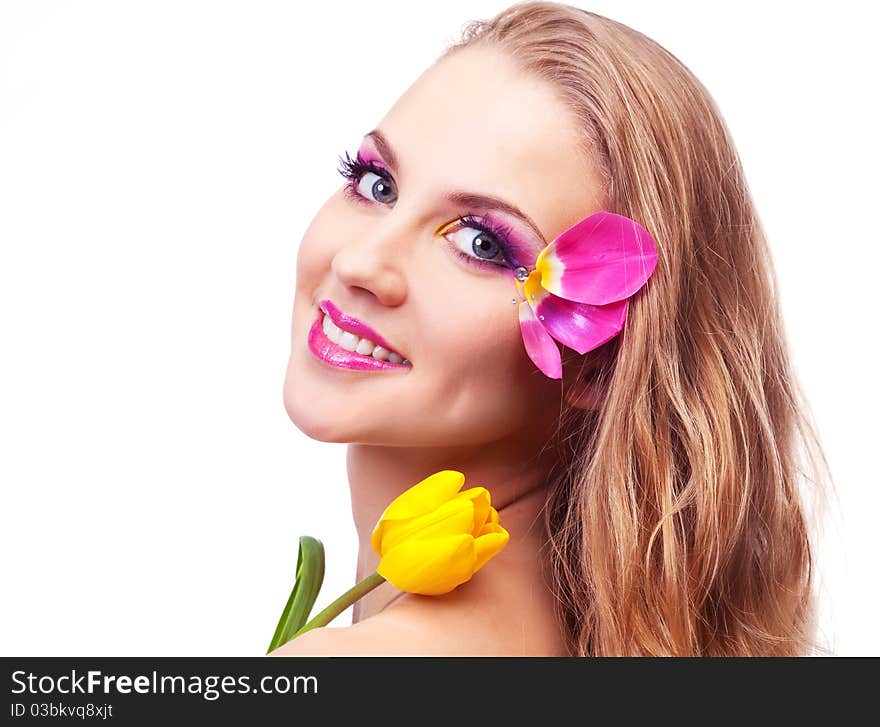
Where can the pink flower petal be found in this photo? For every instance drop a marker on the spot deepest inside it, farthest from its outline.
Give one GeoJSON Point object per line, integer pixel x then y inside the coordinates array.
{"type": "Point", "coordinates": [581, 326]}
{"type": "Point", "coordinates": [539, 345]}
{"type": "Point", "coordinates": [602, 259]}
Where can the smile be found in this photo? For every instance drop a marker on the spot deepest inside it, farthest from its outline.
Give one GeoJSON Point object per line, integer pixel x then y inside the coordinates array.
{"type": "Point", "coordinates": [343, 341]}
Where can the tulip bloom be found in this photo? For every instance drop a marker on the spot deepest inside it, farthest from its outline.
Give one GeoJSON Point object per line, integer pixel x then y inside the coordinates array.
{"type": "Point", "coordinates": [580, 287]}
{"type": "Point", "coordinates": [432, 538]}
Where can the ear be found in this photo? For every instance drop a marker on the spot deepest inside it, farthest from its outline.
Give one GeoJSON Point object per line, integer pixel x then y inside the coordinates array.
{"type": "Point", "coordinates": [584, 395]}
{"type": "Point", "coordinates": [581, 386]}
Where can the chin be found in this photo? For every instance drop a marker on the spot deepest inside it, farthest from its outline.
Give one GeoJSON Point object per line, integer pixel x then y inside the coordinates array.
{"type": "Point", "coordinates": [327, 411]}
{"type": "Point", "coordinates": [314, 425]}
{"type": "Point", "coordinates": [323, 422]}
{"type": "Point", "coordinates": [333, 425]}
{"type": "Point", "coordinates": [308, 416]}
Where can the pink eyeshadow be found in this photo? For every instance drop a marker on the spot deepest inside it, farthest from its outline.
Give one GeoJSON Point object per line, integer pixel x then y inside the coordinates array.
{"type": "Point", "coordinates": [370, 157]}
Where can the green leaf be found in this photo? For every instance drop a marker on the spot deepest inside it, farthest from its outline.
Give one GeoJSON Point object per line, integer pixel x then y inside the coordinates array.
{"type": "Point", "coordinates": [309, 577]}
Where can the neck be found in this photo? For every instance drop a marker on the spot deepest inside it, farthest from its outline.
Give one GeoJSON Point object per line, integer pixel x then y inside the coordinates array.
{"type": "Point", "coordinates": [515, 475]}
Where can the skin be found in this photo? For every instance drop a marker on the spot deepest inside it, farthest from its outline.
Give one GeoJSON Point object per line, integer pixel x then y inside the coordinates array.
{"type": "Point", "coordinates": [472, 400]}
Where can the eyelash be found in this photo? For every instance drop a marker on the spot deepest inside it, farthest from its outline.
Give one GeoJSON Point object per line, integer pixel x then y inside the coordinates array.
{"type": "Point", "coordinates": [354, 169]}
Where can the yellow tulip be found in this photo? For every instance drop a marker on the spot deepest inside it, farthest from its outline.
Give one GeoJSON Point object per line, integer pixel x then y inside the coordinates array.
{"type": "Point", "coordinates": [432, 538]}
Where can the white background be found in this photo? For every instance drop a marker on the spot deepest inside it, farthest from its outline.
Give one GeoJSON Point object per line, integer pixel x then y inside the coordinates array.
{"type": "Point", "coordinates": [159, 162]}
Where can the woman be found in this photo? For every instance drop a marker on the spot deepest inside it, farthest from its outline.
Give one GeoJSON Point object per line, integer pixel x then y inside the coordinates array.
{"type": "Point", "coordinates": [651, 492]}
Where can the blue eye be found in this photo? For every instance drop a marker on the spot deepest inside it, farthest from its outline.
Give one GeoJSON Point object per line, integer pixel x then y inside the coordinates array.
{"type": "Point", "coordinates": [476, 244]}
{"type": "Point", "coordinates": [374, 186]}
{"type": "Point", "coordinates": [366, 182]}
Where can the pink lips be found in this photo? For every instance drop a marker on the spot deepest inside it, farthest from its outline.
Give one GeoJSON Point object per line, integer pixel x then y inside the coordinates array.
{"type": "Point", "coordinates": [359, 328]}
{"type": "Point", "coordinates": [333, 354]}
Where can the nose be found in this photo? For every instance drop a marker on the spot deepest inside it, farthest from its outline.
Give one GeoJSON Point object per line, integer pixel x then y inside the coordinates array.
{"type": "Point", "coordinates": [374, 260]}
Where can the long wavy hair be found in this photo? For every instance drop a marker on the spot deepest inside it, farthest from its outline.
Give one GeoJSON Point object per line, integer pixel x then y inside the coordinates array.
{"type": "Point", "coordinates": [676, 523]}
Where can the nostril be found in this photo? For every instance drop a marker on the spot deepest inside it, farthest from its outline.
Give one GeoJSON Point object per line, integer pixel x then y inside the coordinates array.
{"type": "Point", "coordinates": [372, 273]}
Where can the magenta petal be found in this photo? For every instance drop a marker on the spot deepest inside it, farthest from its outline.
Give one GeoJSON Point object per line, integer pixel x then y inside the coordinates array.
{"type": "Point", "coordinates": [603, 258]}
{"type": "Point", "coordinates": [580, 326]}
{"type": "Point", "coordinates": [541, 348]}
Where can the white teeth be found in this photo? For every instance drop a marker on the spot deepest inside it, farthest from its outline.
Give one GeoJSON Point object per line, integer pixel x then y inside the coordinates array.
{"type": "Point", "coordinates": [348, 341]}
{"type": "Point", "coordinates": [363, 346]}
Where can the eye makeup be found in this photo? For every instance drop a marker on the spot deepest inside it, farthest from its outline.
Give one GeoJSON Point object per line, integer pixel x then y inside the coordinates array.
{"type": "Point", "coordinates": [503, 235]}
{"type": "Point", "coordinates": [354, 169]}
{"type": "Point", "coordinates": [515, 251]}
{"type": "Point", "coordinates": [368, 157]}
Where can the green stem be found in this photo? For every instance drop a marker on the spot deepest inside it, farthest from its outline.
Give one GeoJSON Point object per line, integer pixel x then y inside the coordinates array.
{"type": "Point", "coordinates": [359, 590]}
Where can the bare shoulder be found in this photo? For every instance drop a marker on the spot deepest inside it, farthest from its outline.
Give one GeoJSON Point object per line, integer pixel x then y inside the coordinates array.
{"type": "Point", "coordinates": [423, 626]}
{"type": "Point", "coordinates": [396, 632]}
{"type": "Point", "coordinates": [373, 637]}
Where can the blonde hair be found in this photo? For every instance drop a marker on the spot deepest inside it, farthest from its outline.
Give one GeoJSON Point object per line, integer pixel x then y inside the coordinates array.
{"type": "Point", "coordinates": [675, 523]}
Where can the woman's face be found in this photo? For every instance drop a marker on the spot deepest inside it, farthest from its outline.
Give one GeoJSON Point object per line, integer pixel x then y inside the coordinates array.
{"type": "Point", "coordinates": [392, 252]}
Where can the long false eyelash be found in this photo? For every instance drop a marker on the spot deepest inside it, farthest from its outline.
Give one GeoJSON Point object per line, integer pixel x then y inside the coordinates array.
{"type": "Point", "coordinates": [353, 169]}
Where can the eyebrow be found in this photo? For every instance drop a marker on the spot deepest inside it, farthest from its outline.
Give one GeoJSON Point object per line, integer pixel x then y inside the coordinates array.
{"type": "Point", "coordinates": [468, 199]}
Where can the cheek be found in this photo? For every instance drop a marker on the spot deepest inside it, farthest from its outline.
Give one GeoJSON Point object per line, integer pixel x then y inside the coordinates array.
{"type": "Point", "coordinates": [316, 248]}
{"type": "Point", "coordinates": [480, 370]}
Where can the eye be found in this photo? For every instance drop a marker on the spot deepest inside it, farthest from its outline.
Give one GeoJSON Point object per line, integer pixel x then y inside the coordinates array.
{"type": "Point", "coordinates": [482, 242]}
{"type": "Point", "coordinates": [365, 181]}
{"type": "Point", "coordinates": [376, 187]}
{"type": "Point", "coordinates": [479, 243]}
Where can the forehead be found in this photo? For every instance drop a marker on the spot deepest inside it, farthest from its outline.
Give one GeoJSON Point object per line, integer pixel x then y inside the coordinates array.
{"type": "Point", "coordinates": [474, 122]}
